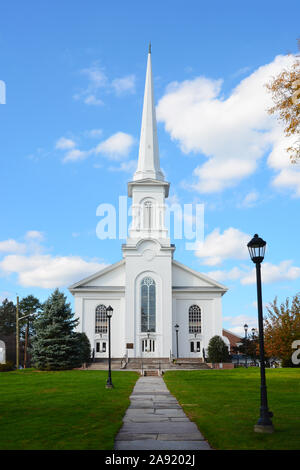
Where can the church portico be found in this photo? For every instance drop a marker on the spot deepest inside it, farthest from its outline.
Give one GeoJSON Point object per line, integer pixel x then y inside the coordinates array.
{"type": "Point", "coordinates": [149, 291]}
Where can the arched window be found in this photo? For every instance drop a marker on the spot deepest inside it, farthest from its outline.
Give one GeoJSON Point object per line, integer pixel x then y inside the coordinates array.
{"type": "Point", "coordinates": [194, 319]}
{"type": "Point", "coordinates": [148, 305]}
{"type": "Point", "coordinates": [101, 319]}
{"type": "Point", "coordinates": [148, 214]}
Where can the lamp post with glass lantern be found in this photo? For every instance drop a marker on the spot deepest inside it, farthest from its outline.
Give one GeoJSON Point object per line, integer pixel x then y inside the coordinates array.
{"type": "Point", "coordinates": [109, 312]}
{"type": "Point", "coordinates": [257, 247]}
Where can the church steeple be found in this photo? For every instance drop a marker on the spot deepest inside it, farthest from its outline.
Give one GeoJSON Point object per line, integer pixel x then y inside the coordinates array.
{"type": "Point", "coordinates": [148, 161]}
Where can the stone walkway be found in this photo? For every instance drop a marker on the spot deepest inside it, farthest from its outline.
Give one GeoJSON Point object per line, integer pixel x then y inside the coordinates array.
{"type": "Point", "coordinates": [155, 421]}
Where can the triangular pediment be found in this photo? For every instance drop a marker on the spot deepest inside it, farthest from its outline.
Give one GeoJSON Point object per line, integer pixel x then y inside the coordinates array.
{"type": "Point", "coordinates": [111, 276]}
{"type": "Point", "coordinates": [183, 276]}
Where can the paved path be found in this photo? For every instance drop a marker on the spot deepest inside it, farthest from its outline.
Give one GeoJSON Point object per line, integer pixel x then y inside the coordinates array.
{"type": "Point", "coordinates": [155, 420]}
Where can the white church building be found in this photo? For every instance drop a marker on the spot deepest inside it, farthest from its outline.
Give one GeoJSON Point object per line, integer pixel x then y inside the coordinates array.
{"type": "Point", "coordinates": [148, 290]}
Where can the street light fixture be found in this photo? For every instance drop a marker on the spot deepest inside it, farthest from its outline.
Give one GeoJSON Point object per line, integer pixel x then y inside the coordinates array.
{"type": "Point", "coordinates": [109, 313]}
{"type": "Point", "coordinates": [257, 248]}
{"type": "Point", "coordinates": [176, 329]}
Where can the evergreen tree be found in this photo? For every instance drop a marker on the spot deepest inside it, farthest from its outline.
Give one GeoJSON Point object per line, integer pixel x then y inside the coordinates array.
{"type": "Point", "coordinates": [55, 345]}
{"type": "Point", "coordinates": [8, 328]}
{"type": "Point", "coordinates": [7, 318]}
{"type": "Point", "coordinates": [29, 307]}
{"type": "Point", "coordinates": [217, 350]}
{"type": "Point", "coordinates": [84, 347]}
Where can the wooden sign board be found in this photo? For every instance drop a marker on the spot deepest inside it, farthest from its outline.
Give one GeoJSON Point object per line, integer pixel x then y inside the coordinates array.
{"type": "Point", "coordinates": [129, 346]}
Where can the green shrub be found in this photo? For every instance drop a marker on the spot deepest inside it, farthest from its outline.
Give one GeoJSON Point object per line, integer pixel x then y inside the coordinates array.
{"type": "Point", "coordinates": [217, 350]}
{"type": "Point", "coordinates": [7, 366]}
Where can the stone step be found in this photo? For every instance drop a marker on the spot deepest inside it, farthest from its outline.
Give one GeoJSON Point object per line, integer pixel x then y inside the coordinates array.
{"type": "Point", "coordinates": [150, 373]}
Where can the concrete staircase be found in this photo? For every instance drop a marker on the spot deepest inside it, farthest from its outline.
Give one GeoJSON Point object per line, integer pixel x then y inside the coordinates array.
{"type": "Point", "coordinates": [150, 366]}
{"type": "Point", "coordinates": [102, 364]}
{"type": "Point", "coordinates": [162, 364]}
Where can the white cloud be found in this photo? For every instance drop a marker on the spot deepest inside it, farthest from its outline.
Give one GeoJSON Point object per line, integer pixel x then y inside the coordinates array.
{"type": "Point", "coordinates": [128, 167]}
{"type": "Point", "coordinates": [48, 271]}
{"type": "Point", "coordinates": [116, 146]}
{"type": "Point", "coordinates": [271, 273]}
{"type": "Point", "coordinates": [12, 246]}
{"type": "Point", "coordinates": [75, 155]}
{"type": "Point", "coordinates": [98, 83]}
{"type": "Point", "coordinates": [232, 132]}
{"type": "Point", "coordinates": [93, 100]}
{"type": "Point", "coordinates": [96, 76]}
{"type": "Point", "coordinates": [94, 133]}
{"type": "Point", "coordinates": [231, 275]}
{"type": "Point", "coordinates": [64, 144]}
{"type": "Point", "coordinates": [37, 269]}
{"type": "Point", "coordinates": [284, 271]}
{"type": "Point", "coordinates": [34, 235]}
{"type": "Point", "coordinates": [97, 80]}
{"type": "Point", "coordinates": [124, 84]}
{"type": "Point", "coordinates": [217, 247]}
{"type": "Point", "coordinates": [249, 200]}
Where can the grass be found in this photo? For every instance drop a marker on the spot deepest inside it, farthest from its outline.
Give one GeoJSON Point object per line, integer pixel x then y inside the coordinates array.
{"type": "Point", "coordinates": [62, 410]}
{"type": "Point", "coordinates": [225, 406]}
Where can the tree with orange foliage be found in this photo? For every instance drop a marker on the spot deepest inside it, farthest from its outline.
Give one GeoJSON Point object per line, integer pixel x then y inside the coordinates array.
{"type": "Point", "coordinates": [282, 327]}
{"type": "Point", "coordinates": [285, 90]}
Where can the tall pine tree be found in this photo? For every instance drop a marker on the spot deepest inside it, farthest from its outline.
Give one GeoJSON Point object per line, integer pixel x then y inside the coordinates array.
{"type": "Point", "coordinates": [55, 346]}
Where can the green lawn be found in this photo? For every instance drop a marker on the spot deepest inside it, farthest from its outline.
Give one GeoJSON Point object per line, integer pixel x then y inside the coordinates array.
{"type": "Point", "coordinates": [62, 410]}
{"type": "Point", "coordinates": [225, 406]}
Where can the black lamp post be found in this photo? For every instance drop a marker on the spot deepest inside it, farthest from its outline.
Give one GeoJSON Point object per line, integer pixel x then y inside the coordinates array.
{"type": "Point", "coordinates": [257, 247]}
{"type": "Point", "coordinates": [246, 329]}
{"type": "Point", "coordinates": [109, 312]}
{"type": "Point", "coordinates": [176, 329]}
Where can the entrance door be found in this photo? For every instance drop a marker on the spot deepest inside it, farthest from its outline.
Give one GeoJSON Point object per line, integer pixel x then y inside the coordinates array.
{"type": "Point", "coordinates": [101, 349]}
{"type": "Point", "coordinates": [195, 348]}
{"type": "Point", "coordinates": [148, 347]}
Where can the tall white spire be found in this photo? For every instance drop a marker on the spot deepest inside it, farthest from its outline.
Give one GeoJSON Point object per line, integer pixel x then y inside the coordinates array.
{"type": "Point", "coordinates": [148, 162]}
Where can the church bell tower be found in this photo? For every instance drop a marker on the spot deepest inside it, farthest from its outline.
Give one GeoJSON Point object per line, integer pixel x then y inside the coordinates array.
{"type": "Point", "coordinates": [148, 252]}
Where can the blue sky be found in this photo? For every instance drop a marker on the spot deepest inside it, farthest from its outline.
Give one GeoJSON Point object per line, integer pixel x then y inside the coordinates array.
{"type": "Point", "coordinates": [69, 131]}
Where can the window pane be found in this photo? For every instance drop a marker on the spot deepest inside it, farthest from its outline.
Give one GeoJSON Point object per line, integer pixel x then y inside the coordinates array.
{"type": "Point", "coordinates": [194, 319]}
{"type": "Point", "coordinates": [100, 319]}
{"type": "Point", "coordinates": [148, 305]}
